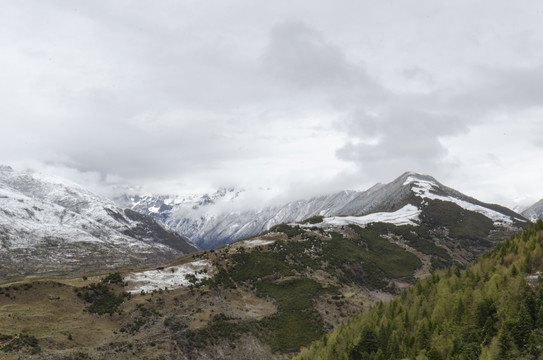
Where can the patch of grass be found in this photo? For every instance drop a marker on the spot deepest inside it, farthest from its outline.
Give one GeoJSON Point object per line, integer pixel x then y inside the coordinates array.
{"type": "Point", "coordinates": [296, 323]}
{"type": "Point", "coordinates": [222, 278]}
{"type": "Point", "coordinates": [253, 265]}
{"type": "Point", "coordinates": [460, 222]}
{"type": "Point", "coordinates": [224, 327]}
{"type": "Point", "coordinates": [9, 343]}
{"type": "Point", "coordinates": [113, 278]}
{"type": "Point", "coordinates": [390, 258]}
{"type": "Point", "coordinates": [219, 328]}
{"type": "Point", "coordinates": [418, 237]}
{"type": "Point", "coordinates": [296, 294]}
{"type": "Point", "coordinates": [313, 220]}
{"type": "Point", "coordinates": [437, 263]}
{"type": "Point", "coordinates": [290, 330]}
{"type": "Point", "coordinates": [290, 231]}
{"type": "Point", "coordinates": [367, 260]}
{"type": "Point", "coordinates": [80, 355]}
{"type": "Point", "coordinates": [299, 253]}
{"type": "Point", "coordinates": [102, 299]}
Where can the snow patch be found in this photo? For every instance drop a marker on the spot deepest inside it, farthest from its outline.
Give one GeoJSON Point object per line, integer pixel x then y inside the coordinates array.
{"type": "Point", "coordinates": [257, 242]}
{"type": "Point", "coordinates": [408, 215]}
{"type": "Point", "coordinates": [422, 188]}
{"type": "Point", "coordinates": [171, 277]}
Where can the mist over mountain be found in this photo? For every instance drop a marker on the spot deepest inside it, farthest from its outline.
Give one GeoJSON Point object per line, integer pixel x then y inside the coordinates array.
{"type": "Point", "coordinates": [213, 219]}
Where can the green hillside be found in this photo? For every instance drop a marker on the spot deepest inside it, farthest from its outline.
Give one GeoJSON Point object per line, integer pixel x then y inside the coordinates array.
{"type": "Point", "coordinates": [491, 310]}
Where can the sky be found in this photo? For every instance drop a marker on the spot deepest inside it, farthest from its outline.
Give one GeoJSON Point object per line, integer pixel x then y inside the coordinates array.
{"type": "Point", "coordinates": [292, 98]}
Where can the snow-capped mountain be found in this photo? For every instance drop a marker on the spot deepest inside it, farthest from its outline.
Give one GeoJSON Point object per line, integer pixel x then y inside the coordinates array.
{"type": "Point", "coordinates": [49, 225]}
{"type": "Point", "coordinates": [202, 220]}
{"type": "Point", "coordinates": [534, 212]}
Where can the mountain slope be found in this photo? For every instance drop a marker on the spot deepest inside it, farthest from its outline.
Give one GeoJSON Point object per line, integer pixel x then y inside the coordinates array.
{"type": "Point", "coordinates": [209, 222]}
{"type": "Point", "coordinates": [263, 297]}
{"type": "Point", "coordinates": [492, 310]}
{"type": "Point", "coordinates": [534, 212]}
{"type": "Point", "coordinates": [51, 226]}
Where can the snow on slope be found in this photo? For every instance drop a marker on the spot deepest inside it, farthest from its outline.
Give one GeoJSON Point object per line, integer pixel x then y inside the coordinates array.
{"type": "Point", "coordinates": [535, 211]}
{"type": "Point", "coordinates": [423, 189]}
{"type": "Point", "coordinates": [171, 277]}
{"type": "Point", "coordinates": [256, 242]}
{"type": "Point", "coordinates": [26, 221]}
{"type": "Point", "coordinates": [210, 221]}
{"type": "Point", "coordinates": [48, 225]}
{"type": "Point", "coordinates": [407, 215]}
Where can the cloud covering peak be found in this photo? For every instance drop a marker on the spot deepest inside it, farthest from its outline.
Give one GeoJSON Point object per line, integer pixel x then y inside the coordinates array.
{"type": "Point", "coordinates": [296, 95]}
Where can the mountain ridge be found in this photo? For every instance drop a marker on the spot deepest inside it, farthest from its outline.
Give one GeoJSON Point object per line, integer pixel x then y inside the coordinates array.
{"type": "Point", "coordinates": [212, 228]}
{"type": "Point", "coordinates": [49, 226]}
{"type": "Point", "coordinates": [534, 212]}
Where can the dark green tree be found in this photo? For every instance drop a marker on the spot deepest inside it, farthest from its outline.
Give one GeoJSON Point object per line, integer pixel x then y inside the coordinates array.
{"type": "Point", "coordinates": [433, 354]}
{"type": "Point", "coordinates": [367, 345]}
{"type": "Point", "coordinates": [505, 343]}
{"type": "Point", "coordinates": [522, 327]}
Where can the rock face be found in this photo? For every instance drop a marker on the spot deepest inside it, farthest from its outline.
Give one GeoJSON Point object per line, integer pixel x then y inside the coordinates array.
{"type": "Point", "coordinates": [535, 211]}
{"type": "Point", "coordinates": [207, 221]}
{"type": "Point", "coordinates": [51, 226]}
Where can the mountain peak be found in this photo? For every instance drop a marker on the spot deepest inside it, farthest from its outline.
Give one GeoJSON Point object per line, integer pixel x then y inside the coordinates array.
{"type": "Point", "coordinates": [415, 176]}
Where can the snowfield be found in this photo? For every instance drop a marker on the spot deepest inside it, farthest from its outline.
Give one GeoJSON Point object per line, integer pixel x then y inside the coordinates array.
{"type": "Point", "coordinates": [408, 215]}
{"type": "Point", "coordinates": [257, 242]}
{"type": "Point", "coordinates": [423, 188]}
{"type": "Point", "coordinates": [171, 277]}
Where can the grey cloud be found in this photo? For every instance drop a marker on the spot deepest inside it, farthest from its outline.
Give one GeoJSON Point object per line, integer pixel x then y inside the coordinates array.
{"type": "Point", "coordinates": [181, 92]}
{"type": "Point", "coordinates": [300, 55]}
{"type": "Point", "coordinates": [309, 63]}
{"type": "Point", "coordinates": [501, 89]}
{"type": "Point", "coordinates": [404, 136]}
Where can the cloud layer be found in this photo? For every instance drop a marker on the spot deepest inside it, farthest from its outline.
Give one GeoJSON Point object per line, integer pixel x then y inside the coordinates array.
{"type": "Point", "coordinates": [300, 96]}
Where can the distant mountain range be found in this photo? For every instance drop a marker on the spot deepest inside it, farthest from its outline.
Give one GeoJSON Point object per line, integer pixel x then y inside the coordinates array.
{"type": "Point", "coordinates": [534, 212]}
{"type": "Point", "coordinates": [202, 219]}
{"type": "Point", "coordinates": [51, 226]}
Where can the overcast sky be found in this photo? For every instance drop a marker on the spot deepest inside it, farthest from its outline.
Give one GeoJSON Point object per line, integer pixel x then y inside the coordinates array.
{"type": "Point", "coordinates": [301, 97]}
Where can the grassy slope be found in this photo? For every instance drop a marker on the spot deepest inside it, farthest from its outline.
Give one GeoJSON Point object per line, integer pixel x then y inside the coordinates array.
{"type": "Point", "coordinates": [489, 311]}
{"type": "Point", "coordinates": [277, 295]}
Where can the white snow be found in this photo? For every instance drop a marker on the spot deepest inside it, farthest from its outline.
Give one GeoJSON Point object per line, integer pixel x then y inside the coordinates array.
{"type": "Point", "coordinates": [171, 277]}
{"type": "Point", "coordinates": [257, 242]}
{"type": "Point", "coordinates": [533, 276]}
{"type": "Point", "coordinates": [407, 215]}
{"type": "Point", "coordinates": [35, 208]}
{"type": "Point", "coordinates": [422, 188]}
